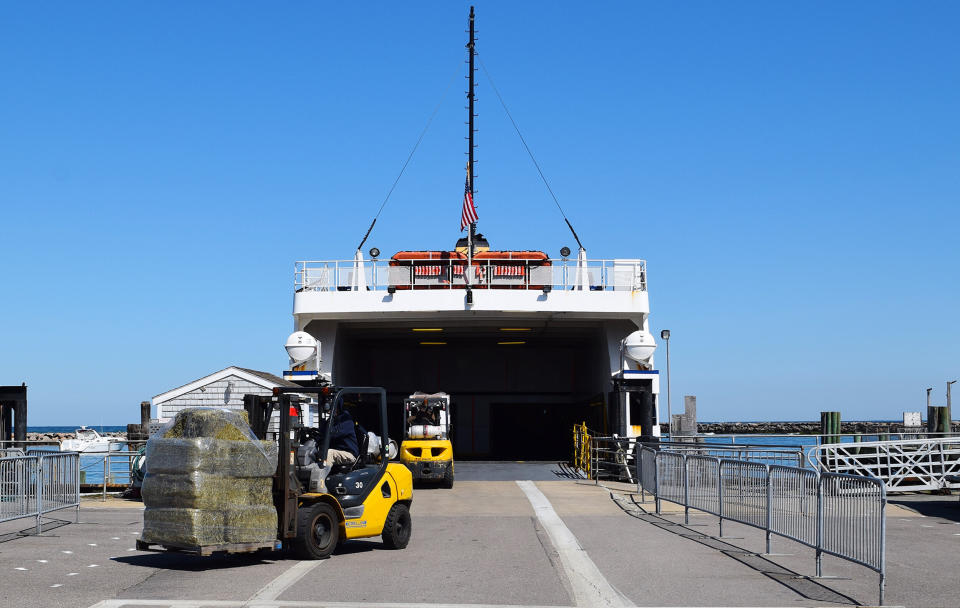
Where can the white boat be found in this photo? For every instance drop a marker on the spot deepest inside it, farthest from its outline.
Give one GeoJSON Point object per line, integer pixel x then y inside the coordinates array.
{"type": "Point", "coordinates": [89, 441]}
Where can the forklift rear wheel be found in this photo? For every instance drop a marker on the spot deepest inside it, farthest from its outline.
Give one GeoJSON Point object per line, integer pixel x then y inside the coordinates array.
{"type": "Point", "coordinates": [318, 531]}
{"type": "Point", "coordinates": [448, 478]}
{"type": "Point", "coordinates": [396, 530]}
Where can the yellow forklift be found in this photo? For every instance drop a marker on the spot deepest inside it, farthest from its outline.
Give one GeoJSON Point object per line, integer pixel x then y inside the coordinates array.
{"type": "Point", "coordinates": [321, 506]}
{"type": "Point", "coordinates": [426, 449]}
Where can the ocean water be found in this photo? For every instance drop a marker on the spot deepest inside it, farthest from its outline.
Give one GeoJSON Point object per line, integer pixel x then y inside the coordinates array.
{"type": "Point", "coordinates": [92, 467]}
{"type": "Point", "coordinates": [69, 429]}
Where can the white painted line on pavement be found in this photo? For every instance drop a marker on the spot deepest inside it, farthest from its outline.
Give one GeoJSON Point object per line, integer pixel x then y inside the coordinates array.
{"type": "Point", "coordinates": [286, 604]}
{"type": "Point", "coordinates": [590, 587]}
{"type": "Point", "coordinates": [277, 586]}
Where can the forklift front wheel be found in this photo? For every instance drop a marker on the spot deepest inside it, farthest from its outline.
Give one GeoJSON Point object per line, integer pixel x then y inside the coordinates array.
{"type": "Point", "coordinates": [396, 530]}
{"type": "Point", "coordinates": [318, 531]}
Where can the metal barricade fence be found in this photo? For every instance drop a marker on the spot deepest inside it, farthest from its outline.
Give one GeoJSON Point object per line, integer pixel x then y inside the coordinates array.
{"type": "Point", "coordinates": [837, 514]}
{"type": "Point", "coordinates": [793, 503]}
{"type": "Point", "coordinates": [671, 478]}
{"type": "Point", "coordinates": [59, 481]}
{"type": "Point", "coordinates": [18, 487]}
{"type": "Point", "coordinates": [31, 486]}
{"type": "Point", "coordinates": [703, 484]}
{"type": "Point", "coordinates": [744, 492]}
{"type": "Point", "coordinates": [647, 471]}
{"type": "Point", "coordinates": [853, 521]}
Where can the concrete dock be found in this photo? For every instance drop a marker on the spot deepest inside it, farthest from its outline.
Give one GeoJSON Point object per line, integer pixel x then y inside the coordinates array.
{"type": "Point", "coordinates": [509, 534]}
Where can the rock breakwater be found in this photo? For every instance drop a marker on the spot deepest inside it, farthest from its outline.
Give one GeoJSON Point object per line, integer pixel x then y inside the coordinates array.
{"type": "Point", "coordinates": [798, 428]}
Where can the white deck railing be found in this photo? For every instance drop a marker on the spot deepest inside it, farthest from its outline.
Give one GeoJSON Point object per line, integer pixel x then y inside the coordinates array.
{"type": "Point", "coordinates": [590, 275]}
{"type": "Point", "coordinates": [909, 465]}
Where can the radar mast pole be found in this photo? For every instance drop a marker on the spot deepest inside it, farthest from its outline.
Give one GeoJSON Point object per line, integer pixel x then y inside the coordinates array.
{"type": "Point", "coordinates": [470, 99]}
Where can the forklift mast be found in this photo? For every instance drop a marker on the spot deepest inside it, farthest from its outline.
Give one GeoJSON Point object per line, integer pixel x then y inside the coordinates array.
{"type": "Point", "coordinates": [286, 400]}
{"type": "Point", "coordinates": [286, 488]}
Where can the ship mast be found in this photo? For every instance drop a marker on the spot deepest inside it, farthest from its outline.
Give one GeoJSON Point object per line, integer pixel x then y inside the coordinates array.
{"type": "Point", "coordinates": [470, 130]}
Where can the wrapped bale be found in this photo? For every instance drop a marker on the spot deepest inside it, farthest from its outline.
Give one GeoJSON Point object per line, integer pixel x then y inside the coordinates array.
{"type": "Point", "coordinates": [203, 527]}
{"type": "Point", "coordinates": [200, 490]}
{"type": "Point", "coordinates": [228, 458]}
{"type": "Point", "coordinates": [183, 527]}
{"type": "Point", "coordinates": [210, 422]}
{"type": "Point", "coordinates": [209, 482]}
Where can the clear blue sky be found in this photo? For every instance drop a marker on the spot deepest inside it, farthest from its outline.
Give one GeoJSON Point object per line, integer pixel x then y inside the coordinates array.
{"type": "Point", "coordinates": [791, 172]}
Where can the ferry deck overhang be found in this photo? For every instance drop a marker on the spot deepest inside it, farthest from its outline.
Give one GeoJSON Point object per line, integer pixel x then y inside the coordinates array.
{"type": "Point", "coordinates": [522, 366]}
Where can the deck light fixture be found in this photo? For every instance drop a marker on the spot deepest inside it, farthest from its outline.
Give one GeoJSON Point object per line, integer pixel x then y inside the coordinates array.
{"type": "Point", "coordinates": [547, 289]}
{"type": "Point", "coordinates": [433, 343]}
{"type": "Point", "coordinates": [513, 342]}
{"type": "Point", "coordinates": [391, 290]}
{"type": "Point", "coordinates": [374, 252]}
{"type": "Point", "coordinates": [565, 252]}
{"type": "Point", "coordinates": [427, 329]}
{"type": "Point", "coordinates": [514, 329]}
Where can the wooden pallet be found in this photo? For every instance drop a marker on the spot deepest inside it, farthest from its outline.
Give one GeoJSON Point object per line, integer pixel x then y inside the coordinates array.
{"type": "Point", "coordinates": [206, 549]}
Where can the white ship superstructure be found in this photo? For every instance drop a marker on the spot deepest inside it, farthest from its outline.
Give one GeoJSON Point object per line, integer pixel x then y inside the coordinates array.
{"type": "Point", "coordinates": [532, 347]}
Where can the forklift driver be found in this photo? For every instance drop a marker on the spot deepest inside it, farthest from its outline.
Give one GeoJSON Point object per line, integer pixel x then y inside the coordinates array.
{"type": "Point", "coordinates": [421, 414]}
{"type": "Point", "coordinates": [343, 440]}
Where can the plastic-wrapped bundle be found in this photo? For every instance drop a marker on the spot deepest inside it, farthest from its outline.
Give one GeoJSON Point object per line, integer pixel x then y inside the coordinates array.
{"type": "Point", "coordinates": [204, 527]}
{"type": "Point", "coordinates": [208, 482]}
{"type": "Point", "coordinates": [213, 422]}
{"type": "Point", "coordinates": [199, 490]}
{"type": "Point", "coordinates": [183, 527]}
{"type": "Point", "coordinates": [249, 458]}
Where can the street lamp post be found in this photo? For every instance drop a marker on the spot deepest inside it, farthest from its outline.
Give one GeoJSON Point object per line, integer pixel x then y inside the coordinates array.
{"type": "Point", "coordinates": [949, 410]}
{"type": "Point", "coordinates": [665, 335]}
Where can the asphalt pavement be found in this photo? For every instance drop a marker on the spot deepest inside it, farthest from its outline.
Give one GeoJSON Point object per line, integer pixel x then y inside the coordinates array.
{"type": "Point", "coordinates": [507, 534]}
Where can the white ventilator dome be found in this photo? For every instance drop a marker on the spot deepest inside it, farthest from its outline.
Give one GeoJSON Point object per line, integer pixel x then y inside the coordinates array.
{"type": "Point", "coordinates": [301, 346]}
{"type": "Point", "coordinates": [639, 346]}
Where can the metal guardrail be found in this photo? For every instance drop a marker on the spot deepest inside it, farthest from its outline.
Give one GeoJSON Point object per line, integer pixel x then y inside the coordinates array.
{"type": "Point", "coordinates": [613, 457]}
{"type": "Point", "coordinates": [835, 514]}
{"type": "Point", "coordinates": [513, 273]}
{"type": "Point", "coordinates": [32, 486]}
{"type": "Point", "coordinates": [116, 466]}
{"type": "Point", "coordinates": [790, 455]}
{"type": "Point", "coordinates": [903, 466]}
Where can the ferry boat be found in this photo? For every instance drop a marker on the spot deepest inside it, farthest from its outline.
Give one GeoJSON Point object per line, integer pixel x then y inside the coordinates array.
{"type": "Point", "coordinates": [526, 344]}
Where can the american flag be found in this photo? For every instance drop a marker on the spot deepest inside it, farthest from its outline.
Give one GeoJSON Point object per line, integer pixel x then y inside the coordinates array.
{"type": "Point", "coordinates": [469, 213]}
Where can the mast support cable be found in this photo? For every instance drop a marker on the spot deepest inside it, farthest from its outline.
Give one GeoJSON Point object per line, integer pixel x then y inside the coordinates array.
{"type": "Point", "coordinates": [527, 148]}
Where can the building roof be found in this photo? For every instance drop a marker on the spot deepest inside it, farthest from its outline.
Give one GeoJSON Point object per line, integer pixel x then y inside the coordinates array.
{"type": "Point", "coordinates": [263, 379]}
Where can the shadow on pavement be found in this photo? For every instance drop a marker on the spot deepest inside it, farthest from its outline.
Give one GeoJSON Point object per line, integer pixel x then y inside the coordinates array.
{"type": "Point", "coordinates": [45, 526]}
{"type": "Point", "coordinates": [796, 582]}
{"type": "Point", "coordinates": [946, 507]}
{"type": "Point", "coordinates": [188, 562]}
